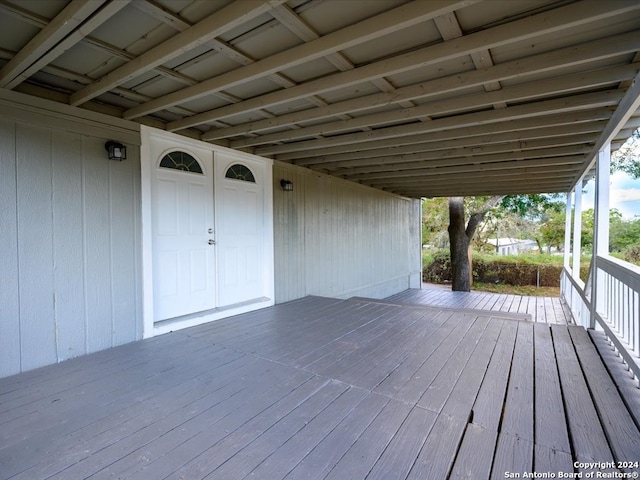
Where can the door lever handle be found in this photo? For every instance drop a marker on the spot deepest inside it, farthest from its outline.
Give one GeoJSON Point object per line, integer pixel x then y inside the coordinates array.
{"type": "Point", "coordinates": [212, 242]}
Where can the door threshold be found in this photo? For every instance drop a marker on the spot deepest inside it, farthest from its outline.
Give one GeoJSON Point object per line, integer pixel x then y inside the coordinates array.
{"type": "Point", "coordinates": [198, 318]}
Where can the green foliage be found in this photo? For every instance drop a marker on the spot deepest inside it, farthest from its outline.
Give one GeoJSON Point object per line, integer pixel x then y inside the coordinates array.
{"type": "Point", "coordinates": [435, 220]}
{"type": "Point", "coordinates": [631, 254]}
{"type": "Point", "coordinates": [508, 270]}
{"type": "Point", "coordinates": [627, 158]}
{"type": "Point", "coordinates": [533, 206]}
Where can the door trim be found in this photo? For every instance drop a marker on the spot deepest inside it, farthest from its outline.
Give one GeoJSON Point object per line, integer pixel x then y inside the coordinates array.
{"type": "Point", "coordinates": [150, 328]}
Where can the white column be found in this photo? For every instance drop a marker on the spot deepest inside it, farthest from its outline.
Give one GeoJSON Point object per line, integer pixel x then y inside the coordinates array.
{"type": "Point", "coordinates": [567, 233]}
{"type": "Point", "coordinates": [601, 221]}
{"type": "Point", "coordinates": [577, 229]}
{"type": "Point", "coordinates": [600, 230]}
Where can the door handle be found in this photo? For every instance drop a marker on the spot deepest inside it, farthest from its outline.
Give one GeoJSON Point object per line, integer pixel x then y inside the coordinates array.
{"type": "Point", "coordinates": [212, 242]}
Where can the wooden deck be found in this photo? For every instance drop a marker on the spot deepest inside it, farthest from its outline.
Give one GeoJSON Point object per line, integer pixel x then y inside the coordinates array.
{"type": "Point", "coordinates": [540, 309]}
{"type": "Point", "coordinates": [327, 389]}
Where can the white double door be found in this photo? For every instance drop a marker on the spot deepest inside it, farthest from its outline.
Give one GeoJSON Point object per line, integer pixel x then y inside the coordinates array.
{"type": "Point", "coordinates": [207, 245]}
{"type": "Point", "coordinates": [183, 224]}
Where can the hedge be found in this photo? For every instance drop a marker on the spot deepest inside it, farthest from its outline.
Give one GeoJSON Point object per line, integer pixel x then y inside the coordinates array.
{"type": "Point", "coordinates": [495, 271]}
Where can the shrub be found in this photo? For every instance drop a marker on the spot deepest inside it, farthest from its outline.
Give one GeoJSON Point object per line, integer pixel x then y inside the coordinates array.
{"type": "Point", "coordinates": [631, 254]}
{"type": "Point", "coordinates": [511, 270]}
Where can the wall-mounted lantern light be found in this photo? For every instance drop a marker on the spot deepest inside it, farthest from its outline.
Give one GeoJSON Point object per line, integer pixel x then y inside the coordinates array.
{"type": "Point", "coordinates": [116, 151]}
{"type": "Point", "coordinates": [287, 185]}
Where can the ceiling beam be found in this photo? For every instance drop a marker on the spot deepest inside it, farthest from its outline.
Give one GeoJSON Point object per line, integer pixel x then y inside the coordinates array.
{"type": "Point", "coordinates": [530, 27]}
{"type": "Point", "coordinates": [375, 27]}
{"type": "Point", "coordinates": [520, 93]}
{"type": "Point", "coordinates": [73, 15]}
{"type": "Point", "coordinates": [535, 112]}
{"type": "Point", "coordinates": [446, 157]}
{"type": "Point", "coordinates": [417, 168]}
{"type": "Point", "coordinates": [626, 109]}
{"type": "Point", "coordinates": [76, 36]}
{"type": "Point", "coordinates": [360, 158]}
{"type": "Point", "coordinates": [512, 130]}
{"type": "Point", "coordinates": [214, 25]}
{"type": "Point", "coordinates": [547, 62]}
{"type": "Point", "coordinates": [471, 176]}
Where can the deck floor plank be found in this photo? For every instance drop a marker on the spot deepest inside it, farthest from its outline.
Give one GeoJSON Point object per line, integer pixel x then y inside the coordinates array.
{"type": "Point", "coordinates": [550, 460]}
{"type": "Point", "coordinates": [550, 420]}
{"type": "Point", "coordinates": [203, 414]}
{"type": "Point", "coordinates": [201, 453]}
{"type": "Point", "coordinates": [122, 422]}
{"type": "Point", "coordinates": [622, 433]}
{"type": "Point", "coordinates": [620, 372]}
{"type": "Point", "coordinates": [325, 388]}
{"type": "Point", "coordinates": [369, 447]}
{"type": "Point", "coordinates": [487, 408]}
{"type": "Point", "coordinates": [455, 388]}
{"type": "Point", "coordinates": [398, 457]}
{"type": "Point", "coordinates": [274, 453]}
{"type": "Point", "coordinates": [429, 369]}
{"type": "Point", "coordinates": [439, 450]}
{"type": "Point", "coordinates": [518, 411]}
{"type": "Point", "coordinates": [323, 457]}
{"type": "Point", "coordinates": [114, 445]}
{"type": "Point", "coordinates": [402, 374]}
{"type": "Point", "coordinates": [476, 453]}
{"type": "Point", "coordinates": [588, 439]}
{"type": "Point", "coordinates": [89, 403]}
{"type": "Point", "coordinates": [513, 454]}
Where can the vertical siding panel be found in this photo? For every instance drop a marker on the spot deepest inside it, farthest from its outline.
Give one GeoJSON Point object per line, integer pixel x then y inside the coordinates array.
{"type": "Point", "coordinates": [97, 272]}
{"type": "Point", "coordinates": [356, 241]}
{"type": "Point", "coordinates": [35, 246]}
{"type": "Point", "coordinates": [68, 249]}
{"type": "Point", "coordinates": [9, 286]}
{"type": "Point", "coordinates": [122, 246]}
{"type": "Point", "coordinates": [290, 267]}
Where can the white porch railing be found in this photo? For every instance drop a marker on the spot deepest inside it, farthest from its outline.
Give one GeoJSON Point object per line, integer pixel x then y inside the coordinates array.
{"type": "Point", "coordinates": [617, 304]}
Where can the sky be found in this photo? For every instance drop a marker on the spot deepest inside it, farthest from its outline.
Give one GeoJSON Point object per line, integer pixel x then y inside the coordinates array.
{"type": "Point", "coordinates": [624, 195]}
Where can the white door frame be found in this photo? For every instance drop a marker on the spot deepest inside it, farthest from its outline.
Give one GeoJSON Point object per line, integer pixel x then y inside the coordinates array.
{"type": "Point", "coordinates": [150, 328]}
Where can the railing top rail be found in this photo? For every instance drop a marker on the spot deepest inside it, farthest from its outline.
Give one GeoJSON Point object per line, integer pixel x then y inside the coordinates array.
{"type": "Point", "coordinates": [623, 271]}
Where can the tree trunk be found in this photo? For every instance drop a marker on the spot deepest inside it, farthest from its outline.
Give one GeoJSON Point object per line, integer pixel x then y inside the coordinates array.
{"type": "Point", "coordinates": [460, 239]}
{"type": "Point", "coordinates": [460, 268]}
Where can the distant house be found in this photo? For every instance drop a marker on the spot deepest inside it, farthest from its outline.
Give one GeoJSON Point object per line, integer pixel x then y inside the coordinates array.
{"type": "Point", "coordinates": [512, 246]}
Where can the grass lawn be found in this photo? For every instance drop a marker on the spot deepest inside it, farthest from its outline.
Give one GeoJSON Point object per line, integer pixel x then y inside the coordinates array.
{"type": "Point", "coordinates": [528, 290]}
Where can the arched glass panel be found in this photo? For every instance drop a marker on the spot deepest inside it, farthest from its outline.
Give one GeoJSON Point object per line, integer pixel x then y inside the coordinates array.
{"type": "Point", "coordinates": [240, 172]}
{"type": "Point", "coordinates": [181, 161]}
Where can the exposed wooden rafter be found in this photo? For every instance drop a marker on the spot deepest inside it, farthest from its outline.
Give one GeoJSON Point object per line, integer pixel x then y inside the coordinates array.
{"type": "Point", "coordinates": [419, 98]}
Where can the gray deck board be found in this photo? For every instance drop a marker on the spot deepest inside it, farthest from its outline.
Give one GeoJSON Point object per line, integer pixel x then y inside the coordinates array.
{"type": "Point", "coordinates": [518, 411]}
{"type": "Point", "coordinates": [331, 448]}
{"type": "Point", "coordinates": [620, 373]}
{"type": "Point", "coordinates": [513, 454]}
{"type": "Point", "coordinates": [588, 439]}
{"type": "Point", "coordinates": [369, 447]}
{"type": "Point", "coordinates": [487, 409]}
{"type": "Point", "coordinates": [540, 309]}
{"type": "Point", "coordinates": [622, 433]}
{"type": "Point", "coordinates": [550, 420]}
{"type": "Point", "coordinates": [324, 388]}
{"type": "Point", "coordinates": [475, 456]}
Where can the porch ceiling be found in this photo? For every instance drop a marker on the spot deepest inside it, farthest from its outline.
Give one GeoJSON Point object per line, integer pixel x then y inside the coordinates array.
{"type": "Point", "coordinates": [420, 98]}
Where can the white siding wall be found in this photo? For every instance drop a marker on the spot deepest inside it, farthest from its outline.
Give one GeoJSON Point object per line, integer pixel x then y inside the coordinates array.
{"type": "Point", "coordinates": [69, 262]}
{"type": "Point", "coordinates": [339, 239]}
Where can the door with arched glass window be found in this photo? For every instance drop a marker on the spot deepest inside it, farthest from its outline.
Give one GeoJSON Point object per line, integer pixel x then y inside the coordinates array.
{"type": "Point", "coordinates": [183, 231]}
{"type": "Point", "coordinates": [241, 229]}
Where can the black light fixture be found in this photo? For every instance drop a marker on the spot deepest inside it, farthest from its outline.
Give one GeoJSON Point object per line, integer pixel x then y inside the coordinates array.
{"type": "Point", "coordinates": [287, 185]}
{"type": "Point", "coordinates": [116, 151]}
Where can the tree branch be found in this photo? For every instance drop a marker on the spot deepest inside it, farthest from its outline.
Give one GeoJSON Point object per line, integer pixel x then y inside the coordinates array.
{"type": "Point", "coordinates": [477, 218]}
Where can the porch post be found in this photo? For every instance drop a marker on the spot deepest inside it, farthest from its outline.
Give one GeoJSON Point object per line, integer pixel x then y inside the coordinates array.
{"type": "Point", "coordinates": [567, 233]}
{"type": "Point", "coordinates": [600, 229]}
{"type": "Point", "coordinates": [577, 229]}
